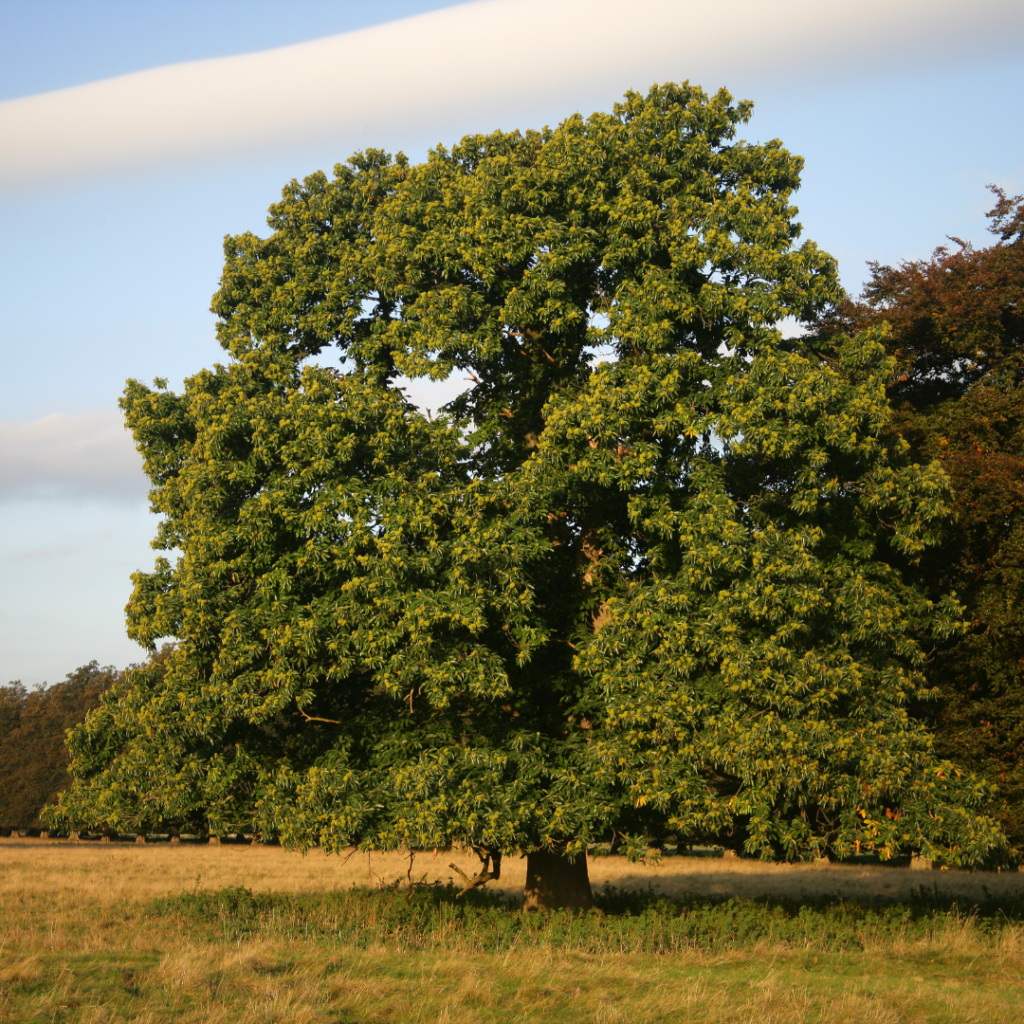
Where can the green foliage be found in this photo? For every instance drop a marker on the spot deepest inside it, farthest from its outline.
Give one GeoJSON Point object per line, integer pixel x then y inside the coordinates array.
{"type": "Point", "coordinates": [33, 728]}
{"type": "Point", "coordinates": [956, 330]}
{"type": "Point", "coordinates": [631, 585]}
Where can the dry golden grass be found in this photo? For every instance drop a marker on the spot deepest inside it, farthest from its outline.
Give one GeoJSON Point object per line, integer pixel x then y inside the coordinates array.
{"type": "Point", "coordinates": [110, 872]}
{"type": "Point", "coordinates": [261, 982]}
{"type": "Point", "coordinates": [79, 944]}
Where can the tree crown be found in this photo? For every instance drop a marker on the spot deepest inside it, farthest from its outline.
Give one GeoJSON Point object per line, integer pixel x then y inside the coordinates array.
{"type": "Point", "coordinates": [624, 588]}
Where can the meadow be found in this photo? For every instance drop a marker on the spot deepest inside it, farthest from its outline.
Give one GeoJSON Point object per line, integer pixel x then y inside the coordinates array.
{"type": "Point", "coordinates": [95, 932]}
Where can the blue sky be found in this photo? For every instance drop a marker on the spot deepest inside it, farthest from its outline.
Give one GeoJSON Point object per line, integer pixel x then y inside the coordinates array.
{"type": "Point", "coordinates": [114, 198]}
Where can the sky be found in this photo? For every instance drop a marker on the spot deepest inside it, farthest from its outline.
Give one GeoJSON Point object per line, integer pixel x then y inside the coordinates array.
{"type": "Point", "coordinates": [135, 136]}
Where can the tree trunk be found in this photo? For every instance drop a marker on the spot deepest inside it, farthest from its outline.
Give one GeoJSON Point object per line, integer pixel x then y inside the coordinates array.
{"type": "Point", "coordinates": [554, 882]}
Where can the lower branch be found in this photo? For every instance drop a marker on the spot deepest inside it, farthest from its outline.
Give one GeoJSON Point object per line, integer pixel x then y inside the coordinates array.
{"type": "Point", "coordinates": [491, 872]}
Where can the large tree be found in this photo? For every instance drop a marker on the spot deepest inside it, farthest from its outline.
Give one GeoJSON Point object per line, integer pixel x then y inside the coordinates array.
{"type": "Point", "coordinates": [955, 326]}
{"type": "Point", "coordinates": [626, 588]}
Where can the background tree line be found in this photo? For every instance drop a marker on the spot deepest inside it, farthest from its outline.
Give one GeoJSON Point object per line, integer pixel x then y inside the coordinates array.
{"type": "Point", "coordinates": [33, 728]}
{"type": "Point", "coordinates": [34, 724]}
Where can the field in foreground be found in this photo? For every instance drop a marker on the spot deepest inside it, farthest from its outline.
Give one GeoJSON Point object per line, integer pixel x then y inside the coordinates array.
{"type": "Point", "coordinates": [190, 934]}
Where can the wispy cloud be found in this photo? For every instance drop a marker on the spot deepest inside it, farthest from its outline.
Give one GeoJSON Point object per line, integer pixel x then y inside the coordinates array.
{"type": "Point", "coordinates": [63, 456]}
{"type": "Point", "coordinates": [437, 71]}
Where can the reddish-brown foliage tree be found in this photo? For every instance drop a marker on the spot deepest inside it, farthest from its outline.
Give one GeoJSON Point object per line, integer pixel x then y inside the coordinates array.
{"type": "Point", "coordinates": [33, 728]}
{"type": "Point", "coordinates": [957, 333]}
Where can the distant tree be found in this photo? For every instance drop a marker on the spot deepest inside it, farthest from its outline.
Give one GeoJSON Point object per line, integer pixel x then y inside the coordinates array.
{"type": "Point", "coordinates": [629, 588]}
{"type": "Point", "coordinates": [955, 325]}
{"type": "Point", "coordinates": [33, 729]}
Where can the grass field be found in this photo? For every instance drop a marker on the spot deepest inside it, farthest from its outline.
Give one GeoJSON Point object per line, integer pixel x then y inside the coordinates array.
{"type": "Point", "coordinates": [155, 933]}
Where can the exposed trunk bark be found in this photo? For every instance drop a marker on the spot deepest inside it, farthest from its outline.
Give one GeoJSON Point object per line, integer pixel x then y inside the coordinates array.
{"type": "Point", "coordinates": [554, 882]}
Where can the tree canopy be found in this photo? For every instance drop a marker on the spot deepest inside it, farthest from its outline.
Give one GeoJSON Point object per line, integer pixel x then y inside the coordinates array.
{"type": "Point", "coordinates": [630, 587]}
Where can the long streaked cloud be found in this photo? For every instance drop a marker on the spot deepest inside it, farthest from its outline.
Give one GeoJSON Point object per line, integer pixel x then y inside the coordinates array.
{"type": "Point", "coordinates": [430, 74]}
{"type": "Point", "coordinates": [63, 456]}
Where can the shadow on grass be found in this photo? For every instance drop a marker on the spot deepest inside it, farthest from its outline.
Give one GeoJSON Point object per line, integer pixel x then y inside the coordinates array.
{"type": "Point", "coordinates": [623, 921]}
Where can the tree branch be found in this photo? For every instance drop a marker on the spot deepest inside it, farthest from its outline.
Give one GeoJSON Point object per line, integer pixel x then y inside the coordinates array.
{"type": "Point", "coordinates": [472, 883]}
{"type": "Point", "coordinates": [314, 718]}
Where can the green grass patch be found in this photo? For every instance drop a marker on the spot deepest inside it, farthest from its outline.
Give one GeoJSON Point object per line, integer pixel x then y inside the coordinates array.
{"type": "Point", "coordinates": [361, 956]}
{"type": "Point", "coordinates": [435, 918]}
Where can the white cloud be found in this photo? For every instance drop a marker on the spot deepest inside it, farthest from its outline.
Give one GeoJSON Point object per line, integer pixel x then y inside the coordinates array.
{"type": "Point", "coordinates": [62, 456]}
{"type": "Point", "coordinates": [437, 71]}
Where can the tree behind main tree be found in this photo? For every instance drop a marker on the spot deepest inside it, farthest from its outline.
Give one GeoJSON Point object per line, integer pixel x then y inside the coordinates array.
{"type": "Point", "coordinates": [956, 330]}
{"type": "Point", "coordinates": [625, 589]}
{"type": "Point", "coordinates": [33, 729]}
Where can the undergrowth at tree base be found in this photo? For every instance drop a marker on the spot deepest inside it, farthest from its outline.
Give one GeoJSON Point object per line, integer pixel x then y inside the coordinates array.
{"type": "Point", "coordinates": [436, 917]}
